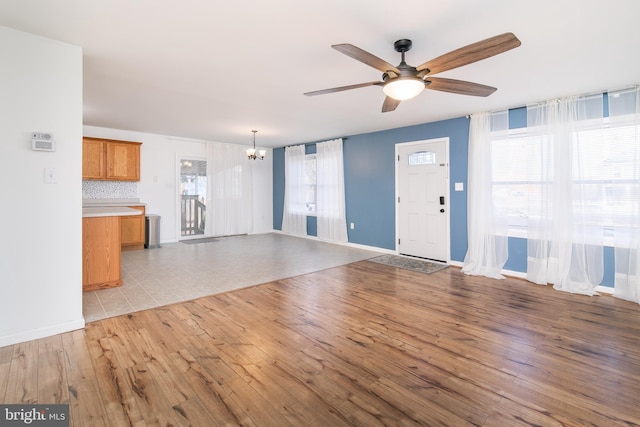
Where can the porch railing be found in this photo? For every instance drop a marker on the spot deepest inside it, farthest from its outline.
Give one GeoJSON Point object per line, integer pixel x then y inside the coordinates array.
{"type": "Point", "coordinates": [193, 215]}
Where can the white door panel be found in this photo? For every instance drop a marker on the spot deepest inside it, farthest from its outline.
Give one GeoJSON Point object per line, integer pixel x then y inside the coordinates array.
{"type": "Point", "coordinates": [422, 175]}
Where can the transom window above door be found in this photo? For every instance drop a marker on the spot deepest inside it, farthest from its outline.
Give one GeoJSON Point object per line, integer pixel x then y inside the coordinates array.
{"type": "Point", "coordinates": [421, 158]}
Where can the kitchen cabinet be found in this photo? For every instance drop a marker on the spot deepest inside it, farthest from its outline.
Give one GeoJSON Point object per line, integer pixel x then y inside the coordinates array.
{"type": "Point", "coordinates": [111, 160]}
{"type": "Point", "coordinates": [132, 230]}
{"type": "Point", "coordinates": [101, 257]}
{"type": "Point", "coordinates": [101, 245]}
{"type": "Point", "coordinates": [93, 159]}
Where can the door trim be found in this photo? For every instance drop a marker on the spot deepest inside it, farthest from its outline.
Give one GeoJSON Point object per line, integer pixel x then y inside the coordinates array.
{"type": "Point", "coordinates": [447, 191]}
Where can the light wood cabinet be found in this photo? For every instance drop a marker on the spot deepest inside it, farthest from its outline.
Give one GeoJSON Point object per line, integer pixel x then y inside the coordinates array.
{"type": "Point", "coordinates": [93, 160]}
{"type": "Point", "coordinates": [123, 161]}
{"type": "Point", "coordinates": [101, 256]}
{"type": "Point", "coordinates": [132, 230]}
{"type": "Point", "coordinates": [107, 159]}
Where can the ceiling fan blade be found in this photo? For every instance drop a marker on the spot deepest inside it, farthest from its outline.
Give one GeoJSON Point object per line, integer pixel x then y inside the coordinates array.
{"type": "Point", "coordinates": [389, 104]}
{"type": "Point", "coordinates": [459, 86]}
{"type": "Point", "coordinates": [471, 53]}
{"type": "Point", "coordinates": [365, 57]}
{"type": "Point", "coordinates": [341, 88]}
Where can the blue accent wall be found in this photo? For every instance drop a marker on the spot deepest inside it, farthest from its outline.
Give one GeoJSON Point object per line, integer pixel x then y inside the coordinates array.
{"type": "Point", "coordinates": [609, 266]}
{"type": "Point", "coordinates": [517, 260]}
{"type": "Point", "coordinates": [278, 187]}
{"type": "Point", "coordinates": [369, 168]}
{"type": "Point", "coordinates": [370, 182]}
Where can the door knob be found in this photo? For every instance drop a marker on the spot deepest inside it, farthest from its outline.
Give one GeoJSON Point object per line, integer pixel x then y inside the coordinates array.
{"type": "Point", "coordinates": [442, 210]}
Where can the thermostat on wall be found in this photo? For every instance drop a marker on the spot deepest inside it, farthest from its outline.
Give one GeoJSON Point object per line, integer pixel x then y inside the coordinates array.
{"type": "Point", "coordinates": [42, 142]}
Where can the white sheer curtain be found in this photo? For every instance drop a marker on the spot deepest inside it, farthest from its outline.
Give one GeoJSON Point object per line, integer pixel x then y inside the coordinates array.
{"type": "Point", "coordinates": [487, 226]}
{"type": "Point", "coordinates": [330, 204]}
{"type": "Point", "coordinates": [565, 242]}
{"type": "Point", "coordinates": [294, 215]}
{"type": "Point", "coordinates": [229, 190]}
{"type": "Point", "coordinates": [624, 112]}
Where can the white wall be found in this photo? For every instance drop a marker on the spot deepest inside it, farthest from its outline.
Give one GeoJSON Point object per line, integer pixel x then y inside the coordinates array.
{"type": "Point", "coordinates": [158, 186]}
{"type": "Point", "coordinates": [41, 234]}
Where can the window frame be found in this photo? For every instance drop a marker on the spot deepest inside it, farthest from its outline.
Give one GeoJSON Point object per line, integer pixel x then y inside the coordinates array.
{"type": "Point", "coordinates": [517, 227]}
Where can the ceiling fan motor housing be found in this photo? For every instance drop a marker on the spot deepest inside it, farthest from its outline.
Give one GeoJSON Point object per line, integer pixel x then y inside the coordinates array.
{"type": "Point", "coordinates": [402, 45]}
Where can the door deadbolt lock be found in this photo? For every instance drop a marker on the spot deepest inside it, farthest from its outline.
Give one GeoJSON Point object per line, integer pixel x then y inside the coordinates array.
{"type": "Point", "coordinates": [442, 210]}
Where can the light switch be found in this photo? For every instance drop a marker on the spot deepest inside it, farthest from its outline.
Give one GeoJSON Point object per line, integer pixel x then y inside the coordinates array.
{"type": "Point", "coordinates": [50, 176]}
{"type": "Point", "coordinates": [459, 186]}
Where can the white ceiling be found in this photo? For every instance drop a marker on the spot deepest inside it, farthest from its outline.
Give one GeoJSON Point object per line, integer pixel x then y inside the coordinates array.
{"type": "Point", "coordinates": [215, 70]}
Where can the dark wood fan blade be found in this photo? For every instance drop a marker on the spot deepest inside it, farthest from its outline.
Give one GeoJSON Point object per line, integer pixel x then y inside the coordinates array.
{"type": "Point", "coordinates": [341, 88]}
{"type": "Point", "coordinates": [365, 57]}
{"type": "Point", "coordinates": [389, 104]}
{"type": "Point", "coordinates": [471, 53]}
{"type": "Point", "coordinates": [459, 86]}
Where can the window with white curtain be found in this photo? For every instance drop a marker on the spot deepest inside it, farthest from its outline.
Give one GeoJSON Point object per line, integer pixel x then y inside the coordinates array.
{"type": "Point", "coordinates": [570, 184]}
{"type": "Point", "coordinates": [332, 222]}
{"type": "Point", "coordinates": [294, 214]}
{"type": "Point", "coordinates": [310, 182]}
{"type": "Point", "coordinates": [229, 191]}
{"type": "Point", "coordinates": [603, 168]}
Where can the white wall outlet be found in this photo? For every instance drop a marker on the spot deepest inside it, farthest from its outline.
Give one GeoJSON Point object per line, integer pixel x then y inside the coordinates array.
{"type": "Point", "coordinates": [459, 186]}
{"type": "Point", "coordinates": [352, 226]}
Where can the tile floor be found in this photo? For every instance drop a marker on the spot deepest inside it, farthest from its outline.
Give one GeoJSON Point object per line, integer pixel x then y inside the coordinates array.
{"type": "Point", "coordinates": [180, 272]}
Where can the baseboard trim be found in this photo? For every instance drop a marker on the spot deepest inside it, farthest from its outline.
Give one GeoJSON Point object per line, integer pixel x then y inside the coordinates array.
{"type": "Point", "coordinates": [349, 244]}
{"type": "Point", "coordinates": [42, 332]}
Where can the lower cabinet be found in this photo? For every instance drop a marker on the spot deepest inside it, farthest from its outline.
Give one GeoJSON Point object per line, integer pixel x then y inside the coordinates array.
{"type": "Point", "coordinates": [132, 230]}
{"type": "Point", "coordinates": [101, 259]}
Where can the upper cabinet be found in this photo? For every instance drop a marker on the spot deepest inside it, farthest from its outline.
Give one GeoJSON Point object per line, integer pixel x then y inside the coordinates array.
{"type": "Point", "coordinates": [106, 159]}
{"type": "Point", "coordinates": [123, 161]}
{"type": "Point", "coordinates": [93, 163]}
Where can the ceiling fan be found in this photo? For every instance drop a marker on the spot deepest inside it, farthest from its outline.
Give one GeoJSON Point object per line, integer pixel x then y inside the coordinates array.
{"type": "Point", "coordinates": [405, 81]}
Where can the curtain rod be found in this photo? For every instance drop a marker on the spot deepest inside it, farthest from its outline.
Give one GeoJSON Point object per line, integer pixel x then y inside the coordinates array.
{"type": "Point", "coordinates": [314, 143]}
{"type": "Point", "coordinates": [594, 93]}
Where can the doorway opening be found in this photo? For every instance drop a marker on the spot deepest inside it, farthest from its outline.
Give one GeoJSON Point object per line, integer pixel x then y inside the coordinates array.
{"type": "Point", "coordinates": [193, 196]}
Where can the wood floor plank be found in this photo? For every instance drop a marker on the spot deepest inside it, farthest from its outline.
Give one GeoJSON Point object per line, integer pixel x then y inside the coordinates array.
{"type": "Point", "coordinates": [5, 366]}
{"type": "Point", "coordinates": [86, 397]}
{"type": "Point", "coordinates": [111, 378]}
{"type": "Point", "coordinates": [22, 381]}
{"type": "Point", "coordinates": [52, 372]}
{"type": "Point", "coordinates": [361, 345]}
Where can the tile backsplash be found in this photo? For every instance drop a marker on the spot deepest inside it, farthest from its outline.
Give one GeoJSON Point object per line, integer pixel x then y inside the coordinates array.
{"type": "Point", "coordinates": [109, 189]}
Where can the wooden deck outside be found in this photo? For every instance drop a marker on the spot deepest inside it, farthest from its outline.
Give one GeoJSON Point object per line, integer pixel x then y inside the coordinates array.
{"type": "Point", "coordinates": [192, 216]}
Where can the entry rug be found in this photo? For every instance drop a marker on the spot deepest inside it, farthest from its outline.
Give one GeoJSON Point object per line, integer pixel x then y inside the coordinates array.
{"type": "Point", "coordinates": [414, 264]}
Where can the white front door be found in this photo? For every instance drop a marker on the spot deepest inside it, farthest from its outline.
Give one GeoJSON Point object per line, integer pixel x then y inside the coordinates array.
{"type": "Point", "coordinates": [422, 187]}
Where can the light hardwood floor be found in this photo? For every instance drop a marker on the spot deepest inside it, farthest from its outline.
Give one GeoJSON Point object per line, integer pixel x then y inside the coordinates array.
{"type": "Point", "coordinates": [360, 344]}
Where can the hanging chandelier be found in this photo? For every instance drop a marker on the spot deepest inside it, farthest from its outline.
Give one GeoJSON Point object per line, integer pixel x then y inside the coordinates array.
{"type": "Point", "coordinates": [251, 152]}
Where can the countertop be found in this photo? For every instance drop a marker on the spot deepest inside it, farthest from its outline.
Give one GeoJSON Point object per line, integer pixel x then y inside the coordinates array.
{"type": "Point", "coordinates": [111, 202]}
{"type": "Point", "coordinates": [100, 211]}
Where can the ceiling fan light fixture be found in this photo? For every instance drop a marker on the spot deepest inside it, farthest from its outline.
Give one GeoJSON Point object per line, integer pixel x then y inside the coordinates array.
{"type": "Point", "coordinates": [403, 88]}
